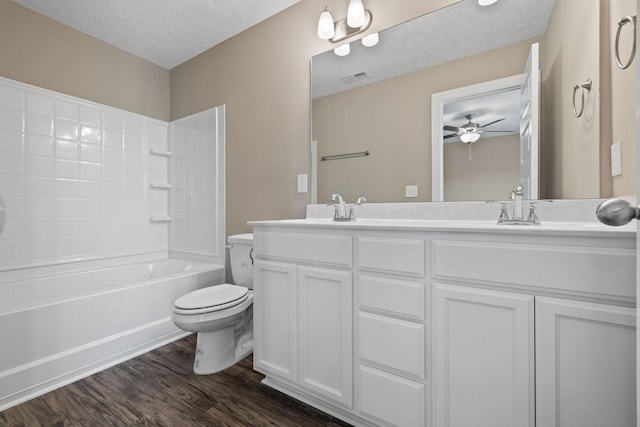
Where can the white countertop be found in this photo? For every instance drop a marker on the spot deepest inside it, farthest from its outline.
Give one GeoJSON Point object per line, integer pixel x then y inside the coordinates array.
{"type": "Point", "coordinates": [470, 217]}
{"type": "Point", "coordinates": [575, 228]}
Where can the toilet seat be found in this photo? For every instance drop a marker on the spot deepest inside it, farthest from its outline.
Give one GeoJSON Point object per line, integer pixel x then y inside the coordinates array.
{"type": "Point", "coordinates": [211, 299]}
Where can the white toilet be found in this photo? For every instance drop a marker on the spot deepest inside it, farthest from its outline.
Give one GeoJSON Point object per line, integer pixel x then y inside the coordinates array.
{"type": "Point", "coordinates": [222, 315]}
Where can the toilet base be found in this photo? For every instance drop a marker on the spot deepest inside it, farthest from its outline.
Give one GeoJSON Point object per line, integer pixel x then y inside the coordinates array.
{"type": "Point", "coordinates": [217, 351]}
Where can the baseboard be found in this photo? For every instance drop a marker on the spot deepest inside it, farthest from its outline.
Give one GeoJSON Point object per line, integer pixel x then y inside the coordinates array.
{"type": "Point", "coordinates": [315, 402]}
{"type": "Point", "coordinates": [25, 382]}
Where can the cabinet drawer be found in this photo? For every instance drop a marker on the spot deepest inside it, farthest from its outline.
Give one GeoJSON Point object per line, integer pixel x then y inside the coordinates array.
{"type": "Point", "coordinates": [588, 270]}
{"type": "Point", "coordinates": [396, 400]}
{"type": "Point", "coordinates": [330, 249]}
{"type": "Point", "coordinates": [406, 256]}
{"type": "Point", "coordinates": [392, 296]}
{"type": "Point", "coordinates": [394, 343]}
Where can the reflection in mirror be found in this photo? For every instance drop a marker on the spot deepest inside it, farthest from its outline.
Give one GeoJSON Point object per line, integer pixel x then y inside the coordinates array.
{"type": "Point", "coordinates": [478, 153]}
{"type": "Point", "coordinates": [361, 105]}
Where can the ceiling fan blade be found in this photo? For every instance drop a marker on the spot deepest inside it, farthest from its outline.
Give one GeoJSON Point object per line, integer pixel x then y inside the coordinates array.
{"type": "Point", "coordinates": [453, 135]}
{"type": "Point", "coordinates": [451, 128]}
{"type": "Point", "coordinates": [505, 131]}
{"type": "Point", "coordinates": [495, 121]}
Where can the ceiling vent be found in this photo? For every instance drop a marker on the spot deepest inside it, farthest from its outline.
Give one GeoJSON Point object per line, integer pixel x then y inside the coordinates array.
{"type": "Point", "coordinates": [355, 77]}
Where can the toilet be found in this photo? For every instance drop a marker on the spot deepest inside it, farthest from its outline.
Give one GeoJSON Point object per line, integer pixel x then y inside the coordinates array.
{"type": "Point", "coordinates": [222, 315]}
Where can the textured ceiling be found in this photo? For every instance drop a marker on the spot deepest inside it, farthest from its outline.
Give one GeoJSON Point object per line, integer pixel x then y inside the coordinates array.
{"type": "Point", "coordinates": [165, 32]}
{"type": "Point", "coordinates": [457, 31]}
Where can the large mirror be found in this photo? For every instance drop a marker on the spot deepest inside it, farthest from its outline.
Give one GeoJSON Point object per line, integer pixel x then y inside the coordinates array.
{"type": "Point", "coordinates": [377, 100]}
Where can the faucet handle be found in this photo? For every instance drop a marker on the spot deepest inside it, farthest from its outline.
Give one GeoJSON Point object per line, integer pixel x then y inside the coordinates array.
{"type": "Point", "coordinates": [504, 215]}
{"type": "Point", "coordinates": [532, 217]}
{"type": "Point", "coordinates": [361, 200]}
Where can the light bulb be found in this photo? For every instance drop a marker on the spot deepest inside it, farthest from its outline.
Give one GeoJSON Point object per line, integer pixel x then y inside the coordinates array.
{"type": "Point", "coordinates": [469, 137]}
{"type": "Point", "coordinates": [343, 50]}
{"type": "Point", "coordinates": [370, 40]}
{"type": "Point", "coordinates": [326, 28]}
{"type": "Point", "coordinates": [486, 2]}
{"type": "Point", "coordinates": [355, 14]}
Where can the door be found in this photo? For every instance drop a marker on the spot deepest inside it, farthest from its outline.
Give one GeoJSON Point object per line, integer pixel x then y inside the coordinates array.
{"type": "Point", "coordinates": [483, 358]}
{"type": "Point", "coordinates": [530, 125]}
{"type": "Point", "coordinates": [324, 333]}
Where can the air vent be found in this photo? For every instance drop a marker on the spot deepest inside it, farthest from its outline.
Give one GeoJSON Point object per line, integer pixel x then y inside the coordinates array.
{"type": "Point", "coordinates": [355, 77]}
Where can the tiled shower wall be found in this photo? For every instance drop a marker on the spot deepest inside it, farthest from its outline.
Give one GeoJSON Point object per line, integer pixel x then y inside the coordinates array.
{"type": "Point", "coordinates": [75, 177]}
{"type": "Point", "coordinates": [198, 185]}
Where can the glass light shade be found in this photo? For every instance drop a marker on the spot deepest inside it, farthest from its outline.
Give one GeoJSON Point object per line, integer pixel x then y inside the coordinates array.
{"type": "Point", "coordinates": [326, 29]}
{"type": "Point", "coordinates": [343, 50]}
{"type": "Point", "coordinates": [469, 137]}
{"type": "Point", "coordinates": [370, 40]}
{"type": "Point", "coordinates": [355, 14]}
{"type": "Point", "coordinates": [486, 2]}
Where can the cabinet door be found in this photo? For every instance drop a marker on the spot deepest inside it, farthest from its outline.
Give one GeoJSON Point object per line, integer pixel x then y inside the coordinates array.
{"type": "Point", "coordinates": [274, 311]}
{"type": "Point", "coordinates": [324, 334]}
{"type": "Point", "coordinates": [483, 358]}
{"type": "Point", "coordinates": [585, 369]}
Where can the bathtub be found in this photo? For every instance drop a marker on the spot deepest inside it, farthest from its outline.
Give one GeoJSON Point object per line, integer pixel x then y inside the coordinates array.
{"type": "Point", "coordinates": [59, 324]}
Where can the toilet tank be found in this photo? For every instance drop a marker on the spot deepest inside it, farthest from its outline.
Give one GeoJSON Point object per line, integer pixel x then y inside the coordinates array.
{"type": "Point", "coordinates": [241, 256]}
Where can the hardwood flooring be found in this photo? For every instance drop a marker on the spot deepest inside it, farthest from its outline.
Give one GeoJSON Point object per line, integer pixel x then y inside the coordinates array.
{"type": "Point", "coordinates": [159, 388]}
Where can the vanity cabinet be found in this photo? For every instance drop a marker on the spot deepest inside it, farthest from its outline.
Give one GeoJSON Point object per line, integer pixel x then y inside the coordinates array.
{"type": "Point", "coordinates": [275, 319]}
{"type": "Point", "coordinates": [390, 333]}
{"type": "Point", "coordinates": [491, 369]}
{"type": "Point", "coordinates": [303, 314]}
{"type": "Point", "coordinates": [483, 357]}
{"type": "Point", "coordinates": [585, 374]}
{"type": "Point", "coordinates": [387, 326]}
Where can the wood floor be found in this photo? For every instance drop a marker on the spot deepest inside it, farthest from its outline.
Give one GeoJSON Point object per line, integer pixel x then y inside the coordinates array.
{"type": "Point", "coordinates": [160, 389]}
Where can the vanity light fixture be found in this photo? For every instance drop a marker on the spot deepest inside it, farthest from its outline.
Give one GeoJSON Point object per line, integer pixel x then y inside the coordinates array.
{"type": "Point", "coordinates": [342, 50]}
{"type": "Point", "coordinates": [358, 20]}
{"type": "Point", "coordinates": [370, 40]}
{"type": "Point", "coordinates": [355, 14]}
{"type": "Point", "coordinates": [326, 29]}
{"type": "Point", "coordinates": [469, 137]}
{"type": "Point", "coordinates": [486, 2]}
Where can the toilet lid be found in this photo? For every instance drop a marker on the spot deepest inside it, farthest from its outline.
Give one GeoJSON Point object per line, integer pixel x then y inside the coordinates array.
{"type": "Point", "coordinates": [213, 297]}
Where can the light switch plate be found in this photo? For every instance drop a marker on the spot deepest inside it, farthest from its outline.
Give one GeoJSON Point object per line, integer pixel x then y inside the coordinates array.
{"type": "Point", "coordinates": [616, 159]}
{"type": "Point", "coordinates": [411, 191]}
{"type": "Point", "coordinates": [302, 183]}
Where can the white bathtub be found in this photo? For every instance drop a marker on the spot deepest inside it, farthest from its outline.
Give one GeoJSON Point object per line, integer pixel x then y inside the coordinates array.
{"type": "Point", "coordinates": [57, 326]}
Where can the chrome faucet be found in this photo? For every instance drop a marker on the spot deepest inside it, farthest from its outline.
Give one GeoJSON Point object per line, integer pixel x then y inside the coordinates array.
{"type": "Point", "coordinates": [516, 196]}
{"type": "Point", "coordinates": [343, 211]}
{"type": "Point", "coordinates": [518, 217]}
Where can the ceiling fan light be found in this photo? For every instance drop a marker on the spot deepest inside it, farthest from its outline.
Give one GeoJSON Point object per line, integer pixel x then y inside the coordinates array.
{"type": "Point", "coordinates": [469, 137]}
{"type": "Point", "coordinates": [355, 14]}
{"type": "Point", "coordinates": [343, 50]}
{"type": "Point", "coordinates": [326, 28]}
{"type": "Point", "coordinates": [486, 2]}
{"type": "Point", "coordinates": [370, 40]}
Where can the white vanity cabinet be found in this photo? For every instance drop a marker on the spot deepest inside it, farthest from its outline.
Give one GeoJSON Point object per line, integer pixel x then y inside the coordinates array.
{"type": "Point", "coordinates": [483, 357]}
{"type": "Point", "coordinates": [438, 326]}
{"type": "Point", "coordinates": [585, 375]}
{"type": "Point", "coordinates": [491, 294]}
{"type": "Point", "coordinates": [390, 333]}
{"type": "Point", "coordinates": [303, 313]}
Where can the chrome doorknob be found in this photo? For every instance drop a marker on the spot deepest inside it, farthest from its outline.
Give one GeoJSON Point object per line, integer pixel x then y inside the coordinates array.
{"type": "Point", "coordinates": [616, 212]}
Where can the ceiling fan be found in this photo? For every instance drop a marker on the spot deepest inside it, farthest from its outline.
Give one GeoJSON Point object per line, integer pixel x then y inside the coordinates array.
{"type": "Point", "coordinates": [470, 132]}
